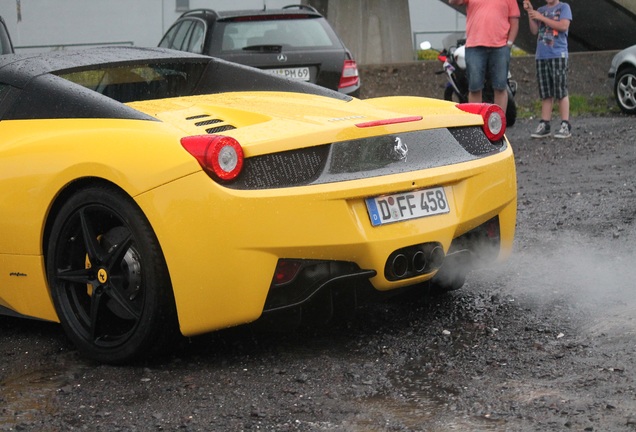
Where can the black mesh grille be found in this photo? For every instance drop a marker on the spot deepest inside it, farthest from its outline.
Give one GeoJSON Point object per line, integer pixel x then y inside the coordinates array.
{"type": "Point", "coordinates": [366, 158]}
{"type": "Point", "coordinates": [475, 141]}
{"type": "Point", "coordinates": [284, 169]}
{"type": "Point", "coordinates": [209, 120]}
{"type": "Point", "coordinates": [219, 129]}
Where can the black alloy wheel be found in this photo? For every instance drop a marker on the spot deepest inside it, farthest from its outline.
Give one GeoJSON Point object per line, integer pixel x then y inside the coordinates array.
{"type": "Point", "coordinates": [108, 278]}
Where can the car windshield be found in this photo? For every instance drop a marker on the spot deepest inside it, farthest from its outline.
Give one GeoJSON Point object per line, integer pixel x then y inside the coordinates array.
{"type": "Point", "coordinates": [291, 33]}
{"type": "Point", "coordinates": [139, 82]}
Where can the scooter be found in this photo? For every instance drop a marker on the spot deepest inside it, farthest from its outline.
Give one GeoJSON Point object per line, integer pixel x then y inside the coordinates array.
{"type": "Point", "coordinates": [454, 66]}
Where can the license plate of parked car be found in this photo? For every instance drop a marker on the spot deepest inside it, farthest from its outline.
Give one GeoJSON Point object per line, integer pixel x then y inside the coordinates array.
{"type": "Point", "coordinates": [295, 73]}
{"type": "Point", "coordinates": [407, 205]}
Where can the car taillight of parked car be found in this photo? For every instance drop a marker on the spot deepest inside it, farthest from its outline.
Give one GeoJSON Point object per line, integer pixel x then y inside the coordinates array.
{"type": "Point", "coordinates": [350, 76]}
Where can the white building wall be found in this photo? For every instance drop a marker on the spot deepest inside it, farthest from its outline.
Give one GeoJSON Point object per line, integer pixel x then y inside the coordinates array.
{"type": "Point", "coordinates": [52, 24]}
{"type": "Point", "coordinates": [43, 25]}
{"type": "Point", "coordinates": [432, 20]}
{"type": "Point", "coordinates": [374, 31]}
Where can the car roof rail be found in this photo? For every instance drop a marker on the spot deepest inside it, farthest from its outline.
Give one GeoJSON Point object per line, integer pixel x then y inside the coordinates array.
{"type": "Point", "coordinates": [301, 6]}
{"type": "Point", "coordinates": [197, 11]}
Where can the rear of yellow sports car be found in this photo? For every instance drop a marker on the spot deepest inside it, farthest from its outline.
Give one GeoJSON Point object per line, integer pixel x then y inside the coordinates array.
{"type": "Point", "coordinates": [146, 191]}
{"type": "Point", "coordinates": [294, 195]}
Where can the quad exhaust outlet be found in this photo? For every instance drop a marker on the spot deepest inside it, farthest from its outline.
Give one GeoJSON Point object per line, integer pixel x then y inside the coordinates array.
{"type": "Point", "coordinates": [413, 261]}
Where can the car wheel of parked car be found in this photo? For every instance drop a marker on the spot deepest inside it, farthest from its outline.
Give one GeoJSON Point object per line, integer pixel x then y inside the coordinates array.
{"type": "Point", "coordinates": [108, 278]}
{"type": "Point", "coordinates": [625, 90]}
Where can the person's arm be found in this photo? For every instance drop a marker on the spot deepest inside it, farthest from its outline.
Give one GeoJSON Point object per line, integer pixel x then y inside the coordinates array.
{"type": "Point", "coordinates": [514, 30]}
{"type": "Point", "coordinates": [561, 25]}
{"type": "Point", "coordinates": [534, 27]}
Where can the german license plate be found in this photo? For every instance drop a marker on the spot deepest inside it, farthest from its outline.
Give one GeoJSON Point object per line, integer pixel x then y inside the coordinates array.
{"type": "Point", "coordinates": [407, 205]}
{"type": "Point", "coordinates": [295, 73]}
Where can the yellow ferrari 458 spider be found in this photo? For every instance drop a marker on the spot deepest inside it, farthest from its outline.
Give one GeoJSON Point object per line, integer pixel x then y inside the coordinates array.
{"type": "Point", "coordinates": [147, 194]}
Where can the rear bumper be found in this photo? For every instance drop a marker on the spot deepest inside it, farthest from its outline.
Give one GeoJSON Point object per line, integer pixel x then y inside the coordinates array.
{"type": "Point", "coordinates": [223, 260]}
{"type": "Point", "coordinates": [312, 277]}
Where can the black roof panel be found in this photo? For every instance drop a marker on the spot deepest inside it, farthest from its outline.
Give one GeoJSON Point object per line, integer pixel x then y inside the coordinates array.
{"type": "Point", "coordinates": [18, 69]}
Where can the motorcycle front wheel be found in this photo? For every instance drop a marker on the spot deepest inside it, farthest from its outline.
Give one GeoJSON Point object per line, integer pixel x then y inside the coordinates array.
{"type": "Point", "coordinates": [451, 95]}
{"type": "Point", "coordinates": [511, 110]}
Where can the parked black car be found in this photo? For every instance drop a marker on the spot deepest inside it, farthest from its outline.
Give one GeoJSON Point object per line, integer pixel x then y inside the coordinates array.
{"type": "Point", "coordinates": [295, 41]}
{"type": "Point", "coordinates": [6, 47]}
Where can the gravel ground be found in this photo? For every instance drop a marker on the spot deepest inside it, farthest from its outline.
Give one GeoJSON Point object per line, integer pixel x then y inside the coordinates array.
{"type": "Point", "coordinates": [542, 342]}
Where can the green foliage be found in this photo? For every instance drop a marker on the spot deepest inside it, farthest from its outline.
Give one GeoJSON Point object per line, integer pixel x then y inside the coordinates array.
{"type": "Point", "coordinates": [427, 54]}
{"type": "Point", "coordinates": [592, 105]}
{"type": "Point", "coordinates": [432, 54]}
{"type": "Point", "coordinates": [579, 105]}
{"type": "Point", "coordinates": [517, 52]}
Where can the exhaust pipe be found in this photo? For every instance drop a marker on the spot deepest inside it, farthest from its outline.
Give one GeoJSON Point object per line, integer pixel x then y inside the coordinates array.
{"type": "Point", "coordinates": [419, 261]}
{"type": "Point", "coordinates": [436, 257]}
{"type": "Point", "coordinates": [399, 266]}
{"type": "Point", "coordinates": [414, 261]}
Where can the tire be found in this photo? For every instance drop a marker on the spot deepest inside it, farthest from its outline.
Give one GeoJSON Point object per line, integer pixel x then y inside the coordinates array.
{"type": "Point", "coordinates": [625, 90]}
{"type": "Point", "coordinates": [108, 278]}
{"type": "Point", "coordinates": [452, 274]}
{"type": "Point", "coordinates": [445, 282]}
{"type": "Point", "coordinates": [511, 110]}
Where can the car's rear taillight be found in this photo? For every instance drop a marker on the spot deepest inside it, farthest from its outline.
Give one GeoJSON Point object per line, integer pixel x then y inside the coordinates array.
{"type": "Point", "coordinates": [219, 156]}
{"type": "Point", "coordinates": [494, 118]}
{"type": "Point", "coordinates": [350, 76]}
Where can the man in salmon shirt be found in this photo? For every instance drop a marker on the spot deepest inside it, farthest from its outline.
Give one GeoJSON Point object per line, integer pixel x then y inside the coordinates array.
{"type": "Point", "coordinates": [491, 29]}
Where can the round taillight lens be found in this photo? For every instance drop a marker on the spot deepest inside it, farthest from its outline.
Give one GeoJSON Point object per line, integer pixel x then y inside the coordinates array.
{"type": "Point", "coordinates": [494, 118]}
{"type": "Point", "coordinates": [494, 122]}
{"type": "Point", "coordinates": [220, 156]}
{"type": "Point", "coordinates": [226, 159]}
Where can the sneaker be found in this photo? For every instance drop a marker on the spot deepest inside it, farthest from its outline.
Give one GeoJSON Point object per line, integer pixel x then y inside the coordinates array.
{"type": "Point", "coordinates": [543, 130]}
{"type": "Point", "coordinates": [565, 131]}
